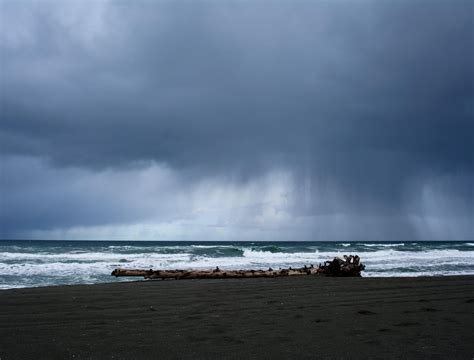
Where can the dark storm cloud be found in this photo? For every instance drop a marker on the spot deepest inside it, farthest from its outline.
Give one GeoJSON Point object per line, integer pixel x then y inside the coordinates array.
{"type": "Point", "coordinates": [370, 97]}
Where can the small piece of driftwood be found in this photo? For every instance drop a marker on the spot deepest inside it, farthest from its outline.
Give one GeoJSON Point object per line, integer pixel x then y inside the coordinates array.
{"type": "Point", "coordinates": [347, 266]}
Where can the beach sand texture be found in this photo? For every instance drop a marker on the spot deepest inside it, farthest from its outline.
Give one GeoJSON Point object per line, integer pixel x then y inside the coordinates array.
{"type": "Point", "coordinates": [293, 318]}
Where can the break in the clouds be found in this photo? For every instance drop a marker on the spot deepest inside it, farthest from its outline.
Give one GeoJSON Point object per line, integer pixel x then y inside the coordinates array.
{"type": "Point", "coordinates": [234, 120]}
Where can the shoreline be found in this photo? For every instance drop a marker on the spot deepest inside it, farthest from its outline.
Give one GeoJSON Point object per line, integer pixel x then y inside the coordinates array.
{"type": "Point", "coordinates": [307, 317]}
{"type": "Point", "coordinates": [140, 280]}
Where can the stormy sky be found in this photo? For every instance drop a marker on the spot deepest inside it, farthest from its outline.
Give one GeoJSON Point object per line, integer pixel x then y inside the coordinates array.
{"type": "Point", "coordinates": [237, 120]}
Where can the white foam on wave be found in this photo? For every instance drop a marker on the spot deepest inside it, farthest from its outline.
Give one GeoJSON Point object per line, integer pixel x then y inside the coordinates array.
{"type": "Point", "coordinates": [212, 246]}
{"type": "Point", "coordinates": [250, 256]}
{"type": "Point", "coordinates": [88, 256]}
{"type": "Point", "coordinates": [11, 286]}
{"type": "Point", "coordinates": [418, 273]}
{"type": "Point", "coordinates": [55, 269]}
{"type": "Point", "coordinates": [383, 245]}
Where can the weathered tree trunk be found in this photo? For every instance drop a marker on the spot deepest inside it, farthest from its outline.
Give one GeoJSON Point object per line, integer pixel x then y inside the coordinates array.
{"type": "Point", "coordinates": [349, 266]}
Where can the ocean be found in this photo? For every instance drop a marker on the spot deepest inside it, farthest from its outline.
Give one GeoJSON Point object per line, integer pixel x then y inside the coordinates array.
{"type": "Point", "coordinates": [45, 263]}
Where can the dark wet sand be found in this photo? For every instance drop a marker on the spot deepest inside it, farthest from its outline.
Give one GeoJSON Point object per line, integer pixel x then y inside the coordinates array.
{"type": "Point", "coordinates": [297, 318]}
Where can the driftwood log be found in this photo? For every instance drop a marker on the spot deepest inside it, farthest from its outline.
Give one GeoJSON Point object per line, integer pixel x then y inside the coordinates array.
{"type": "Point", "coordinates": [348, 266]}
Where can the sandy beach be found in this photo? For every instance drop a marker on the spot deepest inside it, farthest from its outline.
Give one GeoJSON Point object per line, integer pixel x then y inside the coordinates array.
{"type": "Point", "coordinates": [341, 318]}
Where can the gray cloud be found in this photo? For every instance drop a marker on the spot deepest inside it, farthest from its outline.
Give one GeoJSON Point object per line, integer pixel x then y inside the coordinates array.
{"type": "Point", "coordinates": [365, 104]}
